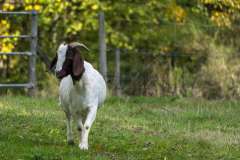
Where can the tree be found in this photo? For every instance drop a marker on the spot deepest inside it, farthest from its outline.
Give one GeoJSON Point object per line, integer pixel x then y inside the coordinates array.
{"type": "Point", "coordinates": [164, 44]}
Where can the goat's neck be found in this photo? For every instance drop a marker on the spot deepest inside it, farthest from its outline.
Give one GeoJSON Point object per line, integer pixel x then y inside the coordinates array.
{"type": "Point", "coordinates": [80, 85]}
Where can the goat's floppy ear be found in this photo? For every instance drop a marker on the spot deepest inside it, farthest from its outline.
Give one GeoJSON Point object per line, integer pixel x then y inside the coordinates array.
{"type": "Point", "coordinates": [78, 66]}
{"type": "Point", "coordinates": [53, 63]}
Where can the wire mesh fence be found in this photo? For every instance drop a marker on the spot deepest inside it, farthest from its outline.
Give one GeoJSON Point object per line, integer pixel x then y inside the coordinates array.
{"type": "Point", "coordinates": [156, 57]}
{"type": "Point", "coordinates": [191, 59]}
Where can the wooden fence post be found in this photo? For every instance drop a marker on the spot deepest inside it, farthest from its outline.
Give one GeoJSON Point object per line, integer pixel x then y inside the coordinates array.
{"type": "Point", "coordinates": [102, 47]}
{"type": "Point", "coordinates": [117, 84]}
{"type": "Point", "coordinates": [32, 58]}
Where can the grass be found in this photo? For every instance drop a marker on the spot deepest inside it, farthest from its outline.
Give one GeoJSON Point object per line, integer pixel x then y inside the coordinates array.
{"type": "Point", "coordinates": [129, 128]}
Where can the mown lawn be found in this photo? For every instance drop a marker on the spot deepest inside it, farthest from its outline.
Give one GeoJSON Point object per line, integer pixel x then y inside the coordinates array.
{"type": "Point", "coordinates": [128, 128]}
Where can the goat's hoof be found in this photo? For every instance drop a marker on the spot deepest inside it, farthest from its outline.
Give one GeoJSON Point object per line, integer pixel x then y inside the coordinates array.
{"type": "Point", "coordinates": [70, 142]}
{"type": "Point", "coordinates": [83, 146]}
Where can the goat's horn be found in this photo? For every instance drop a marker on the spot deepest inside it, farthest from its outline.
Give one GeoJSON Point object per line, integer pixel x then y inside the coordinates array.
{"type": "Point", "coordinates": [76, 44]}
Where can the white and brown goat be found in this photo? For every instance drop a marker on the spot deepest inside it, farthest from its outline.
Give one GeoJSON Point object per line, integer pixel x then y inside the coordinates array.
{"type": "Point", "coordinates": [82, 89]}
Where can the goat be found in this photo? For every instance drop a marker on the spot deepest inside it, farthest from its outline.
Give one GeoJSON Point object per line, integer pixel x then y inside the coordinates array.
{"type": "Point", "coordinates": [82, 90]}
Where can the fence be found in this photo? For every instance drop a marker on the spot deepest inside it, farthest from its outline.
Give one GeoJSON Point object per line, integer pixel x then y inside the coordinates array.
{"type": "Point", "coordinates": [148, 70]}
{"type": "Point", "coordinates": [31, 85]}
{"type": "Point", "coordinates": [199, 62]}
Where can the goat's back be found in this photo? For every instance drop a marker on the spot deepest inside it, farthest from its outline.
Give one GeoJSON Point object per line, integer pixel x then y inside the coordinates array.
{"type": "Point", "coordinates": [94, 83]}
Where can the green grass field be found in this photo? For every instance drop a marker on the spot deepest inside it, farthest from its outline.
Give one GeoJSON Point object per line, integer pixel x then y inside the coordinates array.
{"type": "Point", "coordinates": [128, 128]}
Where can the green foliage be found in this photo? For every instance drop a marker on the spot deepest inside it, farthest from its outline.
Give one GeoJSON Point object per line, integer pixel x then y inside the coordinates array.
{"type": "Point", "coordinates": [148, 33]}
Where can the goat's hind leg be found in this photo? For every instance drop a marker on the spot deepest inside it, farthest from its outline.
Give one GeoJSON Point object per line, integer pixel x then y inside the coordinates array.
{"type": "Point", "coordinates": [70, 140]}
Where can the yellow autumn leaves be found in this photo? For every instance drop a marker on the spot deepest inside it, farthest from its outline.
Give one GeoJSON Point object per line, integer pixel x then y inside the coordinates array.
{"type": "Point", "coordinates": [35, 7]}
{"type": "Point", "coordinates": [220, 3]}
{"type": "Point", "coordinates": [179, 14]}
{"type": "Point", "coordinates": [94, 7]}
{"type": "Point", "coordinates": [176, 12]}
{"type": "Point", "coordinates": [223, 14]}
{"type": "Point", "coordinates": [221, 18]}
{"type": "Point", "coordinates": [27, 6]}
{"type": "Point", "coordinates": [74, 27]}
{"type": "Point", "coordinates": [59, 6]}
{"type": "Point", "coordinates": [8, 7]}
{"type": "Point", "coordinates": [6, 44]}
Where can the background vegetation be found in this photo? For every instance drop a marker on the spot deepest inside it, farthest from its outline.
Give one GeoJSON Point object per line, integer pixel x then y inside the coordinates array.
{"type": "Point", "coordinates": [168, 47]}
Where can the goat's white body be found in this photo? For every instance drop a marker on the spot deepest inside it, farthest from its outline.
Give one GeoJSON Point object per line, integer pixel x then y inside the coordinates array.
{"type": "Point", "coordinates": [89, 91]}
{"type": "Point", "coordinates": [82, 99]}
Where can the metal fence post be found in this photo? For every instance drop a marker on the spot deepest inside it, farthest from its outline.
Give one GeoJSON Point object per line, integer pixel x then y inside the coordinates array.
{"type": "Point", "coordinates": [31, 84]}
{"type": "Point", "coordinates": [32, 58]}
{"type": "Point", "coordinates": [102, 47]}
{"type": "Point", "coordinates": [117, 84]}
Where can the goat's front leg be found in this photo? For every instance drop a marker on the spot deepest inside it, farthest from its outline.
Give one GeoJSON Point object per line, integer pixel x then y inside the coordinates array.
{"type": "Point", "coordinates": [86, 127]}
{"type": "Point", "coordinates": [70, 140]}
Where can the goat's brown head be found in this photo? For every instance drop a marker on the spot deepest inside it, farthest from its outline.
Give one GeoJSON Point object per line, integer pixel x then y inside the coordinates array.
{"type": "Point", "coordinates": [69, 61]}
